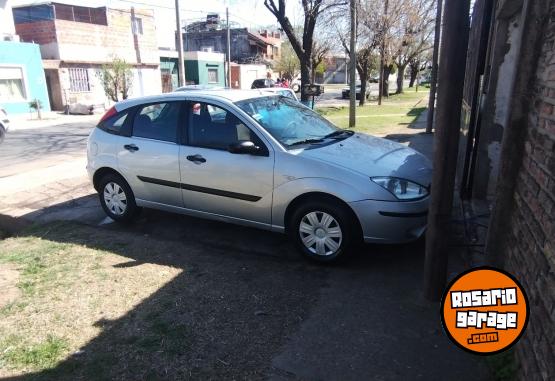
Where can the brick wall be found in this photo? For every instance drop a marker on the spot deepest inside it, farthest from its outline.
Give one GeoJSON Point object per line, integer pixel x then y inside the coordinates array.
{"type": "Point", "coordinates": [40, 32]}
{"type": "Point", "coordinates": [84, 41]}
{"type": "Point", "coordinates": [531, 253]}
{"type": "Point", "coordinates": [81, 41]}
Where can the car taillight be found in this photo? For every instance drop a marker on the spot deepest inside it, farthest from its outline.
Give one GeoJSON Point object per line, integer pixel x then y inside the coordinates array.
{"type": "Point", "coordinates": [111, 112]}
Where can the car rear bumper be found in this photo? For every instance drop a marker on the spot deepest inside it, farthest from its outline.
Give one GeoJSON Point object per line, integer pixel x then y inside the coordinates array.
{"type": "Point", "coordinates": [391, 222]}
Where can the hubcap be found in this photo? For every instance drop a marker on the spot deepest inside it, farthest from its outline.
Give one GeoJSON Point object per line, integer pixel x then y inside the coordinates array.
{"type": "Point", "coordinates": [320, 233]}
{"type": "Point", "coordinates": [115, 199]}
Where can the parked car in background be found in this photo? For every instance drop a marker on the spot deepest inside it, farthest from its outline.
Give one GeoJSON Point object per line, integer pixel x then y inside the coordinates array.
{"type": "Point", "coordinates": [259, 160]}
{"type": "Point", "coordinates": [296, 84]}
{"type": "Point", "coordinates": [4, 124]}
{"type": "Point", "coordinates": [286, 92]}
{"type": "Point", "coordinates": [346, 92]}
{"type": "Point", "coordinates": [263, 83]}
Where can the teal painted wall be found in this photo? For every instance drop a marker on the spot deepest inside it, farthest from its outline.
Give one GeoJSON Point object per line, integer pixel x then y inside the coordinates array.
{"type": "Point", "coordinates": [27, 56]}
{"type": "Point", "coordinates": [191, 72]}
{"type": "Point", "coordinates": [197, 72]}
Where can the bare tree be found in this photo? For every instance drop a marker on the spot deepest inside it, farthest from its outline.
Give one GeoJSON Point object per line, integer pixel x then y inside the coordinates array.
{"type": "Point", "coordinates": [319, 52]}
{"type": "Point", "coordinates": [366, 52]}
{"type": "Point", "coordinates": [303, 46]}
{"type": "Point", "coordinates": [413, 35]}
{"type": "Point", "coordinates": [288, 64]}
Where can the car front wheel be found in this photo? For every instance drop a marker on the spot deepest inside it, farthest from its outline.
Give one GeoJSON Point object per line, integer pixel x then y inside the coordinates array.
{"type": "Point", "coordinates": [117, 199]}
{"type": "Point", "coordinates": [323, 232]}
{"type": "Point", "coordinates": [296, 88]}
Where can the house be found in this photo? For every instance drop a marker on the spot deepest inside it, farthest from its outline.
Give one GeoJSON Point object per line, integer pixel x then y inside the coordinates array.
{"type": "Point", "coordinates": [242, 76]}
{"type": "Point", "coordinates": [246, 47]}
{"type": "Point", "coordinates": [76, 41]}
{"type": "Point", "coordinates": [506, 163]}
{"type": "Point", "coordinates": [201, 68]}
{"type": "Point", "coordinates": [21, 72]}
{"type": "Point", "coordinates": [335, 70]}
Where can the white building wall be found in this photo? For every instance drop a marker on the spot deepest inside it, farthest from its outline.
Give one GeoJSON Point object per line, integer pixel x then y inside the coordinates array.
{"type": "Point", "coordinates": [7, 27]}
{"type": "Point", "coordinates": [248, 73]}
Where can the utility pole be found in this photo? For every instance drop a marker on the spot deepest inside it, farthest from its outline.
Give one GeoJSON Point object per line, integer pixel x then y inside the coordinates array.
{"type": "Point", "coordinates": [180, 63]}
{"type": "Point", "coordinates": [382, 53]}
{"type": "Point", "coordinates": [454, 44]}
{"type": "Point", "coordinates": [433, 77]}
{"type": "Point", "coordinates": [353, 67]}
{"type": "Point", "coordinates": [228, 49]}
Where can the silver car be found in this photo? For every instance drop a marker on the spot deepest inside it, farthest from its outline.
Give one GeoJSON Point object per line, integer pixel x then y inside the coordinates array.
{"type": "Point", "coordinates": [259, 160]}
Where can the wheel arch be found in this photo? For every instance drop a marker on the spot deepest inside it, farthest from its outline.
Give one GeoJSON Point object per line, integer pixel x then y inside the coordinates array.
{"type": "Point", "coordinates": [320, 196]}
{"type": "Point", "coordinates": [101, 172]}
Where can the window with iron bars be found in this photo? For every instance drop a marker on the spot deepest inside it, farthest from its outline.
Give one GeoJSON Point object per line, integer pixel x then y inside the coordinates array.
{"type": "Point", "coordinates": [79, 80]}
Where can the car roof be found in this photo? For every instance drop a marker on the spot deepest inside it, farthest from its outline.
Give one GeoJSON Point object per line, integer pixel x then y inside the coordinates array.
{"type": "Point", "coordinates": [229, 95]}
{"type": "Point", "coordinates": [275, 89]}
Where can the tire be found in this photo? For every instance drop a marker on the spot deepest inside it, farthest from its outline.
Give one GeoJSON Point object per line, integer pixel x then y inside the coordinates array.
{"type": "Point", "coordinates": [296, 88]}
{"type": "Point", "coordinates": [117, 199]}
{"type": "Point", "coordinates": [333, 239]}
{"type": "Point", "coordinates": [2, 134]}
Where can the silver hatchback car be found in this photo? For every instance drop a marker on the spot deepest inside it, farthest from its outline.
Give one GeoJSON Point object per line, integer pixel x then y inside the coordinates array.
{"type": "Point", "coordinates": [259, 160]}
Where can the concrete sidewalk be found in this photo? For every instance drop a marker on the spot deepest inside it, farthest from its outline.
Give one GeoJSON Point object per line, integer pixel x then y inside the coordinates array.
{"type": "Point", "coordinates": [49, 119]}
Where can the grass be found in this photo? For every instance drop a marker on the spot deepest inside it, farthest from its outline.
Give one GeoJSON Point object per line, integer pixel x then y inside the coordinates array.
{"type": "Point", "coordinates": [67, 292]}
{"type": "Point", "coordinates": [395, 114]}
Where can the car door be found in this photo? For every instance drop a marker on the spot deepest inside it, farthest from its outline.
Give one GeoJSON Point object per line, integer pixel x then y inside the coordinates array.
{"type": "Point", "coordinates": [215, 181]}
{"type": "Point", "coordinates": [149, 158]}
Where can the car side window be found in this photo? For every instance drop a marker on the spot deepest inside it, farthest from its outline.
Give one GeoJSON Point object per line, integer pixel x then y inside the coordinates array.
{"type": "Point", "coordinates": [157, 121]}
{"type": "Point", "coordinates": [214, 127]}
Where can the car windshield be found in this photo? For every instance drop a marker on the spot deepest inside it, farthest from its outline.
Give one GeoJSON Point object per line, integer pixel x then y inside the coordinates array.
{"type": "Point", "coordinates": [288, 121]}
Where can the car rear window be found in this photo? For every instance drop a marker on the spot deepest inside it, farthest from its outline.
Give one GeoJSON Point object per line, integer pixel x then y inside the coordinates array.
{"type": "Point", "coordinates": [115, 124]}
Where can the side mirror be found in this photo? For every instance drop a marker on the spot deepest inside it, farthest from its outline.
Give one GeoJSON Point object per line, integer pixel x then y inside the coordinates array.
{"type": "Point", "coordinates": [245, 147]}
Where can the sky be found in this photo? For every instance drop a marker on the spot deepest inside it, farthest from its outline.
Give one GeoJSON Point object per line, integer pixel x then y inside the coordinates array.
{"type": "Point", "coordinates": [248, 13]}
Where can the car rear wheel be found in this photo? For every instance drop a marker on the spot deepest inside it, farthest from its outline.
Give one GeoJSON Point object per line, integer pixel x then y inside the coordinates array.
{"type": "Point", "coordinates": [323, 231]}
{"type": "Point", "coordinates": [296, 87]}
{"type": "Point", "coordinates": [117, 199]}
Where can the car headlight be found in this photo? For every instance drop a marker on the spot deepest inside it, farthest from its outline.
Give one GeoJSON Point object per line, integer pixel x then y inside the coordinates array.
{"type": "Point", "coordinates": [402, 189]}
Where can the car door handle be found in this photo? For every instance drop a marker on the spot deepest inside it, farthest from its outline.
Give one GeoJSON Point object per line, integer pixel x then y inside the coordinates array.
{"type": "Point", "coordinates": [131, 147]}
{"type": "Point", "coordinates": [196, 158]}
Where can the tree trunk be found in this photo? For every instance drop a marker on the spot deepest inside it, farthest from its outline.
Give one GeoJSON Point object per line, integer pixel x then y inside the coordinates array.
{"type": "Point", "coordinates": [305, 78]}
{"type": "Point", "coordinates": [386, 71]}
{"type": "Point", "coordinates": [400, 78]}
{"type": "Point", "coordinates": [363, 75]}
{"type": "Point", "coordinates": [413, 73]}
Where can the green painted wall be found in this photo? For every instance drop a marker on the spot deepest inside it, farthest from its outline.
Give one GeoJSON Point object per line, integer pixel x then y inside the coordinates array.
{"type": "Point", "coordinates": [197, 72]}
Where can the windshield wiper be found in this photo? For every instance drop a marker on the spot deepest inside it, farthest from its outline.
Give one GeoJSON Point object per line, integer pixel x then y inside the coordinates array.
{"type": "Point", "coordinates": [339, 133]}
{"type": "Point", "coordinates": [306, 141]}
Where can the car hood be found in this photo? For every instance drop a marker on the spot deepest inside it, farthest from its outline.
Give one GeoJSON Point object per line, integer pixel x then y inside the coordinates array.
{"type": "Point", "coordinates": [373, 156]}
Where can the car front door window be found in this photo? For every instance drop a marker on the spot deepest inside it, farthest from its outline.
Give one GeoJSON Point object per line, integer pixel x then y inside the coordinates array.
{"type": "Point", "coordinates": [214, 127]}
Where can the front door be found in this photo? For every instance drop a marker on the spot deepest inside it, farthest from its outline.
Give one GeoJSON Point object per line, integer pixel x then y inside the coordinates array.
{"type": "Point", "coordinates": [149, 159]}
{"type": "Point", "coordinates": [216, 181]}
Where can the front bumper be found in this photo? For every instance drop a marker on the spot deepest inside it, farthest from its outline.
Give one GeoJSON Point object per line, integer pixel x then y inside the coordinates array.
{"type": "Point", "coordinates": [391, 221]}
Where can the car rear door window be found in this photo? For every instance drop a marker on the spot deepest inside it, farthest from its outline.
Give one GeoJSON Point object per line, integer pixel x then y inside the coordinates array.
{"type": "Point", "coordinates": [157, 121]}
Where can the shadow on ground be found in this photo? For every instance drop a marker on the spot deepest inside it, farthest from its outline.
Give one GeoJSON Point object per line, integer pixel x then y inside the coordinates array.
{"type": "Point", "coordinates": [246, 306]}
